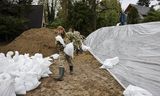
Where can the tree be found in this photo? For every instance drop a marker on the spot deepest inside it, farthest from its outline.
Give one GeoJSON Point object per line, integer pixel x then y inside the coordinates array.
{"type": "Point", "coordinates": [108, 14]}
{"type": "Point", "coordinates": [93, 5]}
{"type": "Point", "coordinates": [64, 5]}
{"type": "Point", "coordinates": [144, 3]}
{"type": "Point", "coordinates": [88, 15]}
{"type": "Point", "coordinates": [80, 17]}
{"type": "Point", "coordinates": [133, 16]}
{"type": "Point", "coordinates": [12, 21]}
{"type": "Point", "coordinates": [53, 9]}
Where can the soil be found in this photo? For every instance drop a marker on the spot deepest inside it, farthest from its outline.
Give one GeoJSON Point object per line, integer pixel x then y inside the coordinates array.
{"type": "Point", "coordinates": [32, 41]}
{"type": "Point", "coordinates": [87, 80]}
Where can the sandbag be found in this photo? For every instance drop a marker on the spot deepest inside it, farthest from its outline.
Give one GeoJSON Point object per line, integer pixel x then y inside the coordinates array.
{"type": "Point", "coordinates": [30, 80]}
{"type": "Point", "coordinates": [6, 85]}
{"type": "Point", "coordinates": [69, 49]}
{"type": "Point", "coordinates": [109, 63]}
{"type": "Point", "coordinates": [20, 86]}
{"type": "Point", "coordinates": [60, 39]}
{"type": "Point", "coordinates": [136, 91]}
{"type": "Point", "coordinates": [55, 56]}
{"type": "Point", "coordinates": [24, 70]}
{"type": "Point", "coordinates": [84, 47]}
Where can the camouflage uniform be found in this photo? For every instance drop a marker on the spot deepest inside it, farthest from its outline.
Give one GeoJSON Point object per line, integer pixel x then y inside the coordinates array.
{"type": "Point", "coordinates": [77, 41]}
{"type": "Point", "coordinates": [67, 39]}
{"type": "Point", "coordinates": [59, 46]}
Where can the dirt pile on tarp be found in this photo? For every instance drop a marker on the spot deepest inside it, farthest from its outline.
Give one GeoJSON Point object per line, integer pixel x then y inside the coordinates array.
{"type": "Point", "coordinates": [32, 41]}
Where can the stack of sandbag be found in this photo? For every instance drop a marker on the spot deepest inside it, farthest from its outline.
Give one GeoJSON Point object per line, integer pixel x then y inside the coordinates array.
{"type": "Point", "coordinates": [24, 70]}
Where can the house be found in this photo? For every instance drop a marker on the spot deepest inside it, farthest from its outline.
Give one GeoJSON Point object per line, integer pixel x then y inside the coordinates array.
{"type": "Point", "coordinates": [35, 16]}
{"type": "Point", "coordinates": [142, 10]}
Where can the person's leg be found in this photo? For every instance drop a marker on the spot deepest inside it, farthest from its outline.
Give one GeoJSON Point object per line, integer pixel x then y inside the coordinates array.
{"type": "Point", "coordinates": [61, 74]}
{"type": "Point", "coordinates": [69, 61]}
{"type": "Point", "coordinates": [61, 66]}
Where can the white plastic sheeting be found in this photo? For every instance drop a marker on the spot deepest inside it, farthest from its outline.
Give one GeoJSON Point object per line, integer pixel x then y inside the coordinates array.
{"type": "Point", "coordinates": [24, 70]}
{"type": "Point", "coordinates": [138, 49]}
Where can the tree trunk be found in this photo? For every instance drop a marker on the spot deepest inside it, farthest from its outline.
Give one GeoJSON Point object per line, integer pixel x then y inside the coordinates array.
{"type": "Point", "coordinates": [64, 4]}
{"type": "Point", "coordinates": [93, 8]}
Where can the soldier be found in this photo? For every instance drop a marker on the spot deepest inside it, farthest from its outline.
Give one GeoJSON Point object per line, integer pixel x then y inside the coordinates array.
{"type": "Point", "coordinates": [67, 38]}
{"type": "Point", "coordinates": [78, 38]}
{"type": "Point", "coordinates": [61, 31]}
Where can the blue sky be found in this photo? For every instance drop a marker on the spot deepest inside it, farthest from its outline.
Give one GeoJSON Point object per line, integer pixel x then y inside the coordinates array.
{"type": "Point", "coordinates": [125, 3]}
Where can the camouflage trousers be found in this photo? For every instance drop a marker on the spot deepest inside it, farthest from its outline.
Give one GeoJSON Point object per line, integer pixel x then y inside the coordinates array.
{"type": "Point", "coordinates": [65, 57]}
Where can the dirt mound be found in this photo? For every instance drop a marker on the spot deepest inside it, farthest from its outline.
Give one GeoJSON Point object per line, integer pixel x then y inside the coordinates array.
{"type": "Point", "coordinates": [32, 41]}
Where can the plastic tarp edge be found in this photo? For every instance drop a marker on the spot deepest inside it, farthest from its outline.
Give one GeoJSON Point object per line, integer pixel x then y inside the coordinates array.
{"type": "Point", "coordinates": [107, 69]}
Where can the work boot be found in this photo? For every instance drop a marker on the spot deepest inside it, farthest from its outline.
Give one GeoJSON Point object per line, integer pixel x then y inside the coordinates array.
{"type": "Point", "coordinates": [61, 74]}
{"type": "Point", "coordinates": [80, 50]}
{"type": "Point", "coordinates": [71, 69]}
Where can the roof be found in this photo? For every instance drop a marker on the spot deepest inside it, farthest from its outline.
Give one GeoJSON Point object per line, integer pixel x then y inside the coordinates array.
{"type": "Point", "coordinates": [141, 9]}
{"type": "Point", "coordinates": [35, 16]}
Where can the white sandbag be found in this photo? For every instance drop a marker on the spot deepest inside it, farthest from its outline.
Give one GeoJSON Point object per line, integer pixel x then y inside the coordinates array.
{"type": "Point", "coordinates": [6, 85]}
{"type": "Point", "coordinates": [2, 55]}
{"type": "Point", "coordinates": [41, 66]}
{"type": "Point", "coordinates": [31, 81]}
{"type": "Point", "coordinates": [109, 63]}
{"type": "Point", "coordinates": [84, 47]}
{"type": "Point", "coordinates": [38, 70]}
{"type": "Point", "coordinates": [48, 58]}
{"type": "Point", "coordinates": [136, 91]}
{"type": "Point", "coordinates": [69, 49]}
{"type": "Point", "coordinates": [9, 54]}
{"type": "Point", "coordinates": [20, 86]}
{"type": "Point", "coordinates": [55, 56]}
{"type": "Point", "coordinates": [16, 56]}
{"type": "Point", "coordinates": [25, 70]}
{"type": "Point", "coordinates": [45, 71]}
{"type": "Point", "coordinates": [45, 75]}
{"type": "Point", "coordinates": [48, 71]}
{"type": "Point", "coordinates": [60, 39]}
{"type": "Point", "coordinates": [117, 24]}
